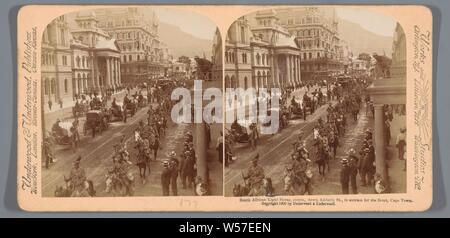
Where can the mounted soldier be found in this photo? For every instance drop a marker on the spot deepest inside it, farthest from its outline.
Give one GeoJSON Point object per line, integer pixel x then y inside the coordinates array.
{"type": "Point", "coordinates": [255, 176]}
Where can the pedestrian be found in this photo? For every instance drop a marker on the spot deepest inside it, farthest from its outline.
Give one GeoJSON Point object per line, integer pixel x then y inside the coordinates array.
{"type": "Point", "coordinates": [366, 167]}
{"type": "Point", "coordinates": [253, 135]}
{"type": "Point", "coordinates": [387, 131]}
{"type": "Point", "coordinates": [50, 104]}
{"type": "Point", "coordinates": [345, 176]}
{"type": "Point", "coordinates": [165, 178]}
{"type": "Point", "coordinates": [400, 142]}
{"type": "Point", "coordinates": [174, 167]}
{"type": "Point", "coordinates": [60, 103]}
{"type": "Point", "coordinates": [219, 147]}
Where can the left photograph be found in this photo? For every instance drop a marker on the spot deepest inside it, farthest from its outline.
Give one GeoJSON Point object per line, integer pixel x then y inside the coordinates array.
{"type": "Point", "coordinates": [108, 77]}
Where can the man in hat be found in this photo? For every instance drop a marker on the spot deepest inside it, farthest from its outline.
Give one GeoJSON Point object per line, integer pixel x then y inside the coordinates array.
{"type": "Point", "coordinates": [166, 176]}
{"type": "Point", "coordinates": [345, 176]}
{"type": "Point", "coordinates": [255, 176]}
{"type": "Point", "coordinates": [77, 176]}
{"type": "Point", "coordinates": [400, 142]}
{"type": "Point", "coordinates": [174, 167]}
{"type": "Point", "coordinates": [366, 167]}
{"type": "Point", "coordinates": [353, 163]}
{"type": "Point", "coordinates": [188, 168]}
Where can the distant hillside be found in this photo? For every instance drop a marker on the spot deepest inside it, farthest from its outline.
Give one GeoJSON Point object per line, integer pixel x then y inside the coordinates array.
{"type": "Point", "coordinates": [361, 40]}
{"type": "Point", "coordinates": [182, 43]}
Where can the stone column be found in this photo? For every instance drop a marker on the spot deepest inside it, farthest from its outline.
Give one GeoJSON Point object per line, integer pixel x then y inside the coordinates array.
{"type": "Point", "coordinates": [288, 70]}
{"type": "Point", "coordinates": [299, 69]}
{"type": "Point", "coordinates": [108, 73]}
{"type": "Point", "coordinates": [380, 161]}
{"type": "Point", "coordinates": [120, 75]}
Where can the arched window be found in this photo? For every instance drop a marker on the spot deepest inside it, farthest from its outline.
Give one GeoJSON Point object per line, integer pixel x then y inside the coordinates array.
{"type": "Point", "coordinates": [245, 83]}
{"type": "Point", "coordinates": [227, 80]}
{"type": "Point", "coordinates": [138, 57]}
{"type": "Point", "coordinates": [258, 59]}
{"type": "Point", "coordinates": [267, 60]}
{"type": "Point", "coordinates": [263, 58]}
{"type": "Point", "coordinates": [233, 82]}
{"type": "Point", "coordinates": [124, 58]}
{"type": "Point", "coordinates": [53, 86]}
{"type": "Point", "coordinates": [84, 61]}
{"type": "Point", "coordinates": [130, 58]}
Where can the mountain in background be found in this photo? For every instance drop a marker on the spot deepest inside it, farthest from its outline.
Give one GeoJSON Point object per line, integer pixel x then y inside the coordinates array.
{"type": "Point", "coordinates": [182, 43]}
{"type": "Point", "coordinates": [361, 40]}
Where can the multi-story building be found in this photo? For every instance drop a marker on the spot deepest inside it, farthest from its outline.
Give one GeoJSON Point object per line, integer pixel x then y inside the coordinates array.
{"type": "Point", "coordinates": [136, 30]}
{"type": "Point", "coordinates": [95, 56]}
{"type": "Point", "coordinates": [316, 32]}
{"type": "Point", "coordinates": [262, 55]}
{"type": "Point", "coordinates": [216, 57]}
{"type": "Point", "coordinates": [56, 62]}
{"type": "Point", "coordinates": [77, 61]}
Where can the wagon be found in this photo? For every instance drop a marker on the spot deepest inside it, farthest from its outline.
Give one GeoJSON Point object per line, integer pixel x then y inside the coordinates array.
{"type": "Point", "coordinates": [96, 121]}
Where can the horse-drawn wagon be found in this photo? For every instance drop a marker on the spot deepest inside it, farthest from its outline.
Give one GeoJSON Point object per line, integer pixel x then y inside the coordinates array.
{"type": "Point", "coordinates": [96, 121]}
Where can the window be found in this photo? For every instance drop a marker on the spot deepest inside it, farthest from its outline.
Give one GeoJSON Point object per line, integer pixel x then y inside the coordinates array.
{"type": "Point", "coordinates": [46, 87]}
{"type": "Point", "coordinates": [304, 55]}
{"type": "Point", "coordinates": [245, 83]}
{"type": "Point", "coordinates": [258, 59]}
{"type": "Point", "coordinates": [83, 61]}
{"type": "Point", "coordinates": [138, 57]}
{"type": "Point", "coordinates": [244, 58]}
{"type": "Point", "coordinates": [63, 37]}
{"type": "Point", "coordinates": [53, 86]}
{"type": "Point", "coordinates": [242, 34]}
{"type": "Point", "coordinates": [318, 54]}
{"type": "Point", "coordinates": [78, 61]}
{"type": "Point", "coordinates": [124, 58]}
{"type": "Point", "coordinates": [263, 58]}
{"type": "Point", "coordinates": [130, 58]}
{"type": "Point", "coordinates": [267, 60]}
{"type": "Point", "coordinates": [310, 55]}
{"type": "Point", "coordinates": [66, 86]}
{"type": "Point", "coordinates": [64, 60]}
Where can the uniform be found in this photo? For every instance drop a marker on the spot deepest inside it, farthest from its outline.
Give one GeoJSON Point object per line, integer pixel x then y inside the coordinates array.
{"type": "Point", "coordinates": [165, 180]}
{"type": "Point", "coordinates": [173, 165]}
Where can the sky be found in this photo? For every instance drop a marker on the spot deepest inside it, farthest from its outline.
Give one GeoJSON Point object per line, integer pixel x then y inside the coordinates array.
{"type": "Point", "coordinates": [190, 22]}
{"type": "Point", "coordinates": [373, 21]}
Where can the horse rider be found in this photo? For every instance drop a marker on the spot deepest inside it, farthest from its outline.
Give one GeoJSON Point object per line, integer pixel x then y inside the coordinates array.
{"type": "Point", "coordinates": [120, 169]}
{"type": "Point", "coordinates": [76, 178]}
{"type": "Point", "coordinates": [255, 176]}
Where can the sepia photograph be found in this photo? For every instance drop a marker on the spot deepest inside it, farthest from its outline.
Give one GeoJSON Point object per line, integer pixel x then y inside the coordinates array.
{"type": "Point", "coordinates": [224, 108]}
{"type": "Point", "coordinates": [107, 79]}
{"type": "Point", "coordinates": [340, 103]}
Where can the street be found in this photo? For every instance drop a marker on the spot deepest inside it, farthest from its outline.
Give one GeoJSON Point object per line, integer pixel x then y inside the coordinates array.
{"type": "Point", "coordinates": [96, 154]}
{"type": "Point", "coordinates": [275, 153]}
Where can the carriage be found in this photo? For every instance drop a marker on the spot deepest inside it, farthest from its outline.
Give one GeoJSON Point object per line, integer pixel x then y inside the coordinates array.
{"type": "Point", "coordinates": [62, 133]}
{"type": "Point", "coordinates": [96, 121]}
{"type": "Point", "coordinates": [129, 108]}
{"type": "Point", "coordinates": [115, 112]}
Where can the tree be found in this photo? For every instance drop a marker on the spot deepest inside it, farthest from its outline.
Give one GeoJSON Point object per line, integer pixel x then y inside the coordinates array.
{"type": "Point", "coordinates": [383, 65]}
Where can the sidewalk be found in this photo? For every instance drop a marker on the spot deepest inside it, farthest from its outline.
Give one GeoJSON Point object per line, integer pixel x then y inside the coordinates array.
{"type": "Point", "coordinates": [397, 176]}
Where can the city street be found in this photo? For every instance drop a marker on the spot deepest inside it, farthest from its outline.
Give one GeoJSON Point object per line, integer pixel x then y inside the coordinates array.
{"type": "Point", "coordinates": [275, 153]}
{"type": "Point", "coordinates": [97, 154]}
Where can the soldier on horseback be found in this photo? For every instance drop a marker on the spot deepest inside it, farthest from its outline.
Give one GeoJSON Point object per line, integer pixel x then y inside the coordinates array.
{"type": "Point", "coordinates": [255, 176]}
{"type": "Point", "coordinates": [76, 179]}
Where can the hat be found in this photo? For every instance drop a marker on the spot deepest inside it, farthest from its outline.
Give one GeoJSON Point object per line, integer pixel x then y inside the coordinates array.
{"type": "Point", "coordinates": [165, 163]}
{"type": "Point", "coordinates": [77, 161]}
{"type": "Point", "coordinates": [344, 161]}
{"type": "Point", "coordinates": [172, 154]}
{"type": "Point", "coordinates": [351, 151]}
{"type": "Point", "coordinates": [403, 129]}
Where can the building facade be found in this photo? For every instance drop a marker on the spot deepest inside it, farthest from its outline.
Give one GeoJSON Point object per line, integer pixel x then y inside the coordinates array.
{"type": "Point", "coordinates": [79, 60]}
{"type": "Point", "coordinates": [261, 56]}
{"type": "Point", "coordinates": [216, 58]}
{"type": "Point", "coordinates": [316, 32]}
{"type": "Point", "coordinates": [143, 55]}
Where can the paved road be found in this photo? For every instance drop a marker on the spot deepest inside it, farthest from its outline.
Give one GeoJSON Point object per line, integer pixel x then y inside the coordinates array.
{"type": "Point", "coordinates": [96, 156]}
{"type": "Point", "coordinates": [275, 153]}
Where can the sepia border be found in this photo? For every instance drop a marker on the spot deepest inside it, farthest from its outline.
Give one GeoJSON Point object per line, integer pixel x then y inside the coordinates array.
{"type": "Point", "coordinates": [33, 19]}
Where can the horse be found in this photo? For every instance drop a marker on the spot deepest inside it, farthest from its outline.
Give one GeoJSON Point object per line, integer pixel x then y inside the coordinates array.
{"type": "Point", "coordinates": [265, 189]}
{"type": "Point", "coordinates": [115, 185]}
{"type": "Point", "coordinates": [143, 161]}
{"type": "Point", "coordinates": [68, 191]}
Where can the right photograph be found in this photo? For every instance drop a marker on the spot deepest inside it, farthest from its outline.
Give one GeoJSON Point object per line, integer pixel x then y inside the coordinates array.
{"type": "Point", "coordinates": [315, 103]}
